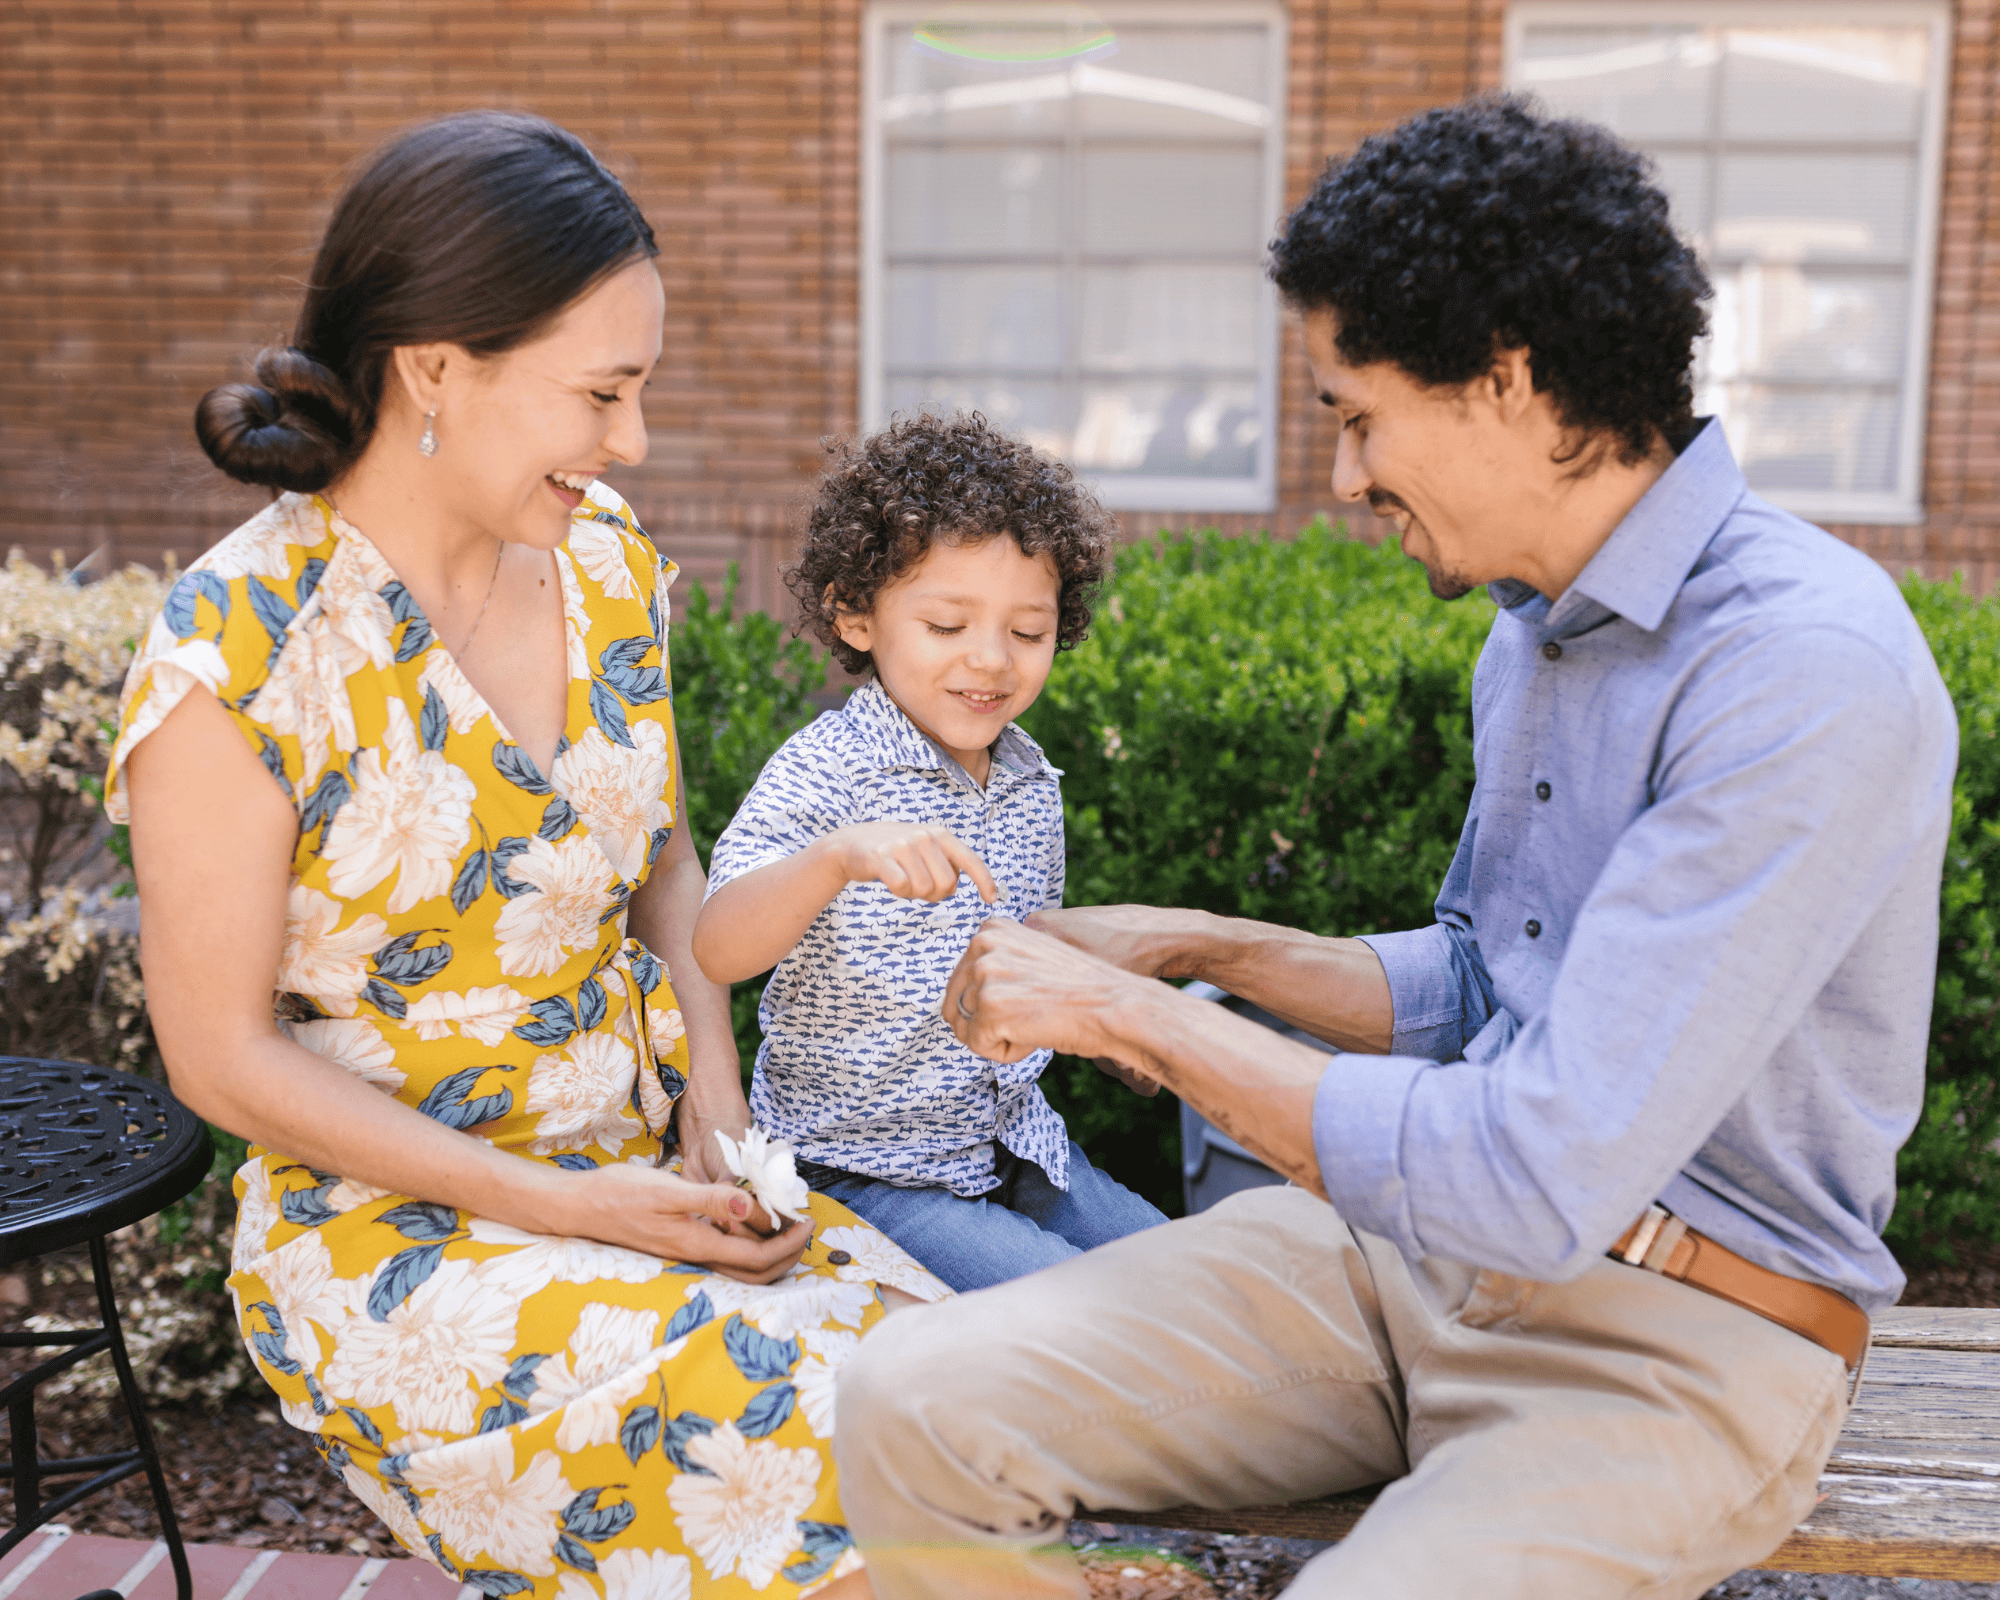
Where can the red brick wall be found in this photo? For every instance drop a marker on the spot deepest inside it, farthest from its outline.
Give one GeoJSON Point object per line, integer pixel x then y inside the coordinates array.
{"type": "Point", "coordinates": [166, 166]}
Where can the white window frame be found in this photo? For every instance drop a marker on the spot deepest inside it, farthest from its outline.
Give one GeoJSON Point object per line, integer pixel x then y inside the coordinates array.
{"type": "Point", "coordinates": [1124, 491]}
{"type": "Point", "coordinates": [1905, 503]}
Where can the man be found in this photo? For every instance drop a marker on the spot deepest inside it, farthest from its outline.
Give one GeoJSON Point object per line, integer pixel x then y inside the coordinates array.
{"type": "Point", "coordinates": [1611, 1145]}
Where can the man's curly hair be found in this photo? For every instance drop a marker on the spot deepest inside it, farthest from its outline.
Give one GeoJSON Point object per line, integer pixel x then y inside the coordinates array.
{"type": "Point", "coordinates": [883, 502]}
{"type": "Point", "coordinates": [1485, 226]}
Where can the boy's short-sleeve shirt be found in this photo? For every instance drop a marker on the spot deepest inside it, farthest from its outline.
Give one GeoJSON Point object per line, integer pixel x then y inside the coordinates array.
{"type": "Point", "coordinates": [858, 1068]}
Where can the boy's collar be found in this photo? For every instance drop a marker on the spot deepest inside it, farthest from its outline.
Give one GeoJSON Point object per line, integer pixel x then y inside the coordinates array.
{"type": "Point", "coordinates": [897, 742]}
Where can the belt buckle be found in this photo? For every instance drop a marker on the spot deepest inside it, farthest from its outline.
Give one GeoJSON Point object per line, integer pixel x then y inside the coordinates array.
{"type": "Point", "coordinates": [1654, 1237]}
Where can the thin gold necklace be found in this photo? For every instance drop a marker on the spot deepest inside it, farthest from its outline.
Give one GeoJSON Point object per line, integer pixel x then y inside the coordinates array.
{"type": "Point", "coordinates": [492, 583]}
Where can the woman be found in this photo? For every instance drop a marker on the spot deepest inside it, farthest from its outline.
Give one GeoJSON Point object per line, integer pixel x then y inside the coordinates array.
{"type": "Point", "coordinates": [400, 751]}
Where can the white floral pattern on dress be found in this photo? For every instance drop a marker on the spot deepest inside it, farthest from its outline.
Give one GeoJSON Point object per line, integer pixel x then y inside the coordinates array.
{"type": "Point", "coordinates": [410, 815]}
{"type": "Point", "coordinates": [741, 1517]}
{"type": "Point", "coordinates": [801, 1299]}
{"type": "Point", "coordinates": [484, 1015]}
{"type": "Point", "coordinates": [570, 883]}
{"type": "Point", "coordinates": [432, 1355]}
{"type": "Point", "coordinates": [584, 1094]}
{"type": "Point", "coordinates": [828, 1350]}
{"type": "Point", "coordinates": [540, 1259]}
{"type": "Point", "coordinates": [321, 959]}
{"type": "Point", "coordinates": [463, 706]}
{"type": "Point", "coordinates": [621, 793]}
{"type": "Point", "coordinates": [630, 1573]}
{"type": "Point", "coordinates": [485, 1505]}
{"type": "Point", "coordinates": [875, 1258]}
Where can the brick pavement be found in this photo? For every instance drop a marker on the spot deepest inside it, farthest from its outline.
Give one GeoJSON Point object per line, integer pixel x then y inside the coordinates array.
{"type": "Point", "coordinates": [59, 1565]}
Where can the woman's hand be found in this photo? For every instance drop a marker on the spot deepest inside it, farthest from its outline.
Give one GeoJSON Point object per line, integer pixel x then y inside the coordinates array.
{"type": "Point", "coordinates": [709, 1225]}
{"type": "Point", "coordinates": [708, 1107]}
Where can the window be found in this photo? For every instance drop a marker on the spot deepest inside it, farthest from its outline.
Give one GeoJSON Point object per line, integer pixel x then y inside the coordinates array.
{"type": "Point", "coordinates": [1800, 146]}
{"type": "Point", "coordinates": [1065, 216]}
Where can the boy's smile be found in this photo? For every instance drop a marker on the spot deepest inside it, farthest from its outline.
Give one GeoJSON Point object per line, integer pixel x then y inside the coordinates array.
{"type": "Point", "coordinates": [963, 642]}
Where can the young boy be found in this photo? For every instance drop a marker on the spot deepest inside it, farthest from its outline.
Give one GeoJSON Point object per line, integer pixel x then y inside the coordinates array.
{"type": "Point", "coordinates": [951, 563]}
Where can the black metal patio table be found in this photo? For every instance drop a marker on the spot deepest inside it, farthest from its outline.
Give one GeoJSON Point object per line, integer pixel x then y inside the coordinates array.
{"type": "Point", "coordinates": [85, 1151]}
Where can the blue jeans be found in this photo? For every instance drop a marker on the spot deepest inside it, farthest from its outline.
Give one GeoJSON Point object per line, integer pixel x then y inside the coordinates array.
{"type": "Point", "coordinates": [1022, 1226]}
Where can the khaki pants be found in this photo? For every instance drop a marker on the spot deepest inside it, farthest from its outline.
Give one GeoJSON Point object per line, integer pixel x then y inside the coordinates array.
{"type": "Point", "coordinates": [1618, 1435]}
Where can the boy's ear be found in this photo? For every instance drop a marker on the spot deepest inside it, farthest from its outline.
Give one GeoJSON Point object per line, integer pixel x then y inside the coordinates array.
{"type": "Point", "coordinates": [852, 626]}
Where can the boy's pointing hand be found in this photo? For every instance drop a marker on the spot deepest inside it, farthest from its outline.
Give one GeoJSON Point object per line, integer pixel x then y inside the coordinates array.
{"type": "Point", "coordinates": [911, 861]}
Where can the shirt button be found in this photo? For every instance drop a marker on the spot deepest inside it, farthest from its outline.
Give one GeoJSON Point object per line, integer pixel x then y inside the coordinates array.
{"type": "Point", "coordinates": [1542, 790]}
{"type": "Point", "coordinates": [1552, 651]}
{"type": "Point", "coordinates": [1534, 929]}
{"type": "Point", "coordinates": [838, 1258]}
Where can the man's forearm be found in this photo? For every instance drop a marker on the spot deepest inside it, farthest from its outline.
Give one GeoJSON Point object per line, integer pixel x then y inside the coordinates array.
{"type": "Point", "coordinates": [1254, 1086]}
{"type": "Point", "coordinates": [1334, 989]}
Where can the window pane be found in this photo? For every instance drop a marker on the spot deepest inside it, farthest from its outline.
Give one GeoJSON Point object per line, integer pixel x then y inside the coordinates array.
{"type": "Point", "coordinates": [1167, 318]}
{"type": "Point", "coordinates": [1787, 322]}
{"type": "Point", "coordinates": [1037, 412]}
{"type": "Point", "coordinates": [1805, 439]}
{"type": "Point", "coordinates": [1646, 82]}
{"type": "Point", "coordinates": [1815, 208]}
{"type": "Point", "coordinates": [1138, 202]}
{"type": "Point", "coordinates": [1199, 83]}
{"type": "Point", "coordinates": [975, 202]}
{"type": "Point", "coordinates": [1685, 178]}
{"type": "Point", "coordinates": [1197, 428]}
{"type": "Point", "coordinates": [1846, 84]}
{"type": "Point", "coordinates": [990, 317]}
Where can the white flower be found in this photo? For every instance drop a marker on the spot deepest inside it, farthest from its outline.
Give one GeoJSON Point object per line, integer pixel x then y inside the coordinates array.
{"type": "Point", "coordinates": [389, 1506]}
{"type": "Point", "coordinates": [584, 1095]}
{"type": "Point", "coordinates": [323, 960]}
{"type": "Point", "coordinates": [622, 795]}
{"type": "Point", "coordinates": [474, 1496]}
{"type": "Point", "coordinates": [462, 705]}
{"type": "Point", "coordinates": [576, 617]}
{"type": "Point", "coordinates": [410, 814]}
{"type": "Point", "coordinates": [572, 883]}
{"type": "Point", "coordinates": [300, 1414]}
{"type": "Point", "coordinates": [629, 1573]}
{"type": "Point", "coordinates": [540, 1259]}
{"type": "Point", "coordinates": [342, 628]}
{"type": "Point", "coordinates": [879, 1259]}
{"type": "Point", "coordinates": [813, 1377]}
{"type": "Point", "coordinates": [354, 1043]}
{"type": "Point", "coordinates": [351, 1194]}
{"type": "Point", "coordinates": [767, 1171]}
{"type": "Point", "coordinates": [485, 1015]}
{"type": "Point", "coordinates": [260, 548]}
{"type": "Point", "coordinates": [745, 1518]}
{"type": "Point", "coordinates": [613, 1358]}
{"type": "Point", "coordinates": [600, 551]}
{"type": "Point", "coordinates": [450, 1339]}
{"type": "Point", "coordinates": [802, 1299]}
{"type": "Point", "coordinates": [256, 1212]}
{"type": "Point", "coordinates": [299, 1279]}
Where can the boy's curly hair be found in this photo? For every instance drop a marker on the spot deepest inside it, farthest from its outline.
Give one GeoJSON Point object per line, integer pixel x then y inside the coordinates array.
{"type": "Point", "coordinates": [885, 500]}
{"type": "Point", "coordinates": [1488, 224]}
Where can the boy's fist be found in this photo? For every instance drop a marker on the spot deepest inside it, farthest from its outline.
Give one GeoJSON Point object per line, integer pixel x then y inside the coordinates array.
{"type": "Point", "coordinates": [911, 861]}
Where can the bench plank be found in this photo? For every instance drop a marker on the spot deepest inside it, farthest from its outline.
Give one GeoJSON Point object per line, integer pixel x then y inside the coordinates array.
{"type": "Point", "coordinates": [1912, 1489]}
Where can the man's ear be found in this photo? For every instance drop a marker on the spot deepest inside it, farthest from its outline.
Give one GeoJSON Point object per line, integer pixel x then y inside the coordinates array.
{"type": "Point", "coordinates": [855, 628]}
{"type": "Point", "coordinates": [1510, 383]}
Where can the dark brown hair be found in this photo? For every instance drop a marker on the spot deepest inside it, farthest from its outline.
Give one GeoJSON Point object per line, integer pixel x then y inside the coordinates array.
{"type": "Point", "coordinates": [476, 230]}
{"type": "Point", "coordinates": [883, 502]}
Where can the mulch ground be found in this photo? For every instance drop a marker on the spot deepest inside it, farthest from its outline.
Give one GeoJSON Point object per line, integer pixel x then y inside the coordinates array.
{"type": "Point", "coordinates": [241, 1476]}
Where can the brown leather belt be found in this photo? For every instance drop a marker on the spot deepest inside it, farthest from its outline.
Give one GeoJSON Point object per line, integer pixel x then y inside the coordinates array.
{"type": "Point", "coordinates": [1660, 1242]}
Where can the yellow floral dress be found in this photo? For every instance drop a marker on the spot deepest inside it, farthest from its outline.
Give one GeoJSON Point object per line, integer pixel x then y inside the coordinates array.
{"type": "Point", "coordinates": [538, 1416]}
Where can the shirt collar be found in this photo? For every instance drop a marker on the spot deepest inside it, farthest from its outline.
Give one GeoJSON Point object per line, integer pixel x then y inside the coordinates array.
{"type": "Point", "coordinates": [1638, 571]}
{"type": "Point", "coordinates": [894, 741]}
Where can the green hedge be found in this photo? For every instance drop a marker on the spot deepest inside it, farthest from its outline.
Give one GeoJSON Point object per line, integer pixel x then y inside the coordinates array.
{"type": "Point", "coordinates": [1281, 729]}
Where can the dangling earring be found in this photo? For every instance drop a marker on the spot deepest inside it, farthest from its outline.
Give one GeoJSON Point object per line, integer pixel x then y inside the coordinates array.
{"type": "Point", "coordinates": [427, 446]}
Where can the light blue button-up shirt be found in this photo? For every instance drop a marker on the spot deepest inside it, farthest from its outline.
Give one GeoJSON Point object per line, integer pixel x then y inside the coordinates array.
{"type": "Point", "coordinates": [1687, 946]}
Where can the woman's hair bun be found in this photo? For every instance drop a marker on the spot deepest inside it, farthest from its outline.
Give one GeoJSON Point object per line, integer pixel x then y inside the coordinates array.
{"type": "Point", "coordinates": [291, 429]}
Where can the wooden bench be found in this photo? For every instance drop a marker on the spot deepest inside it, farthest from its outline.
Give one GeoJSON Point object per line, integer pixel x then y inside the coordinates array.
{"type": "Point", "coordinates": [1912, 1490]}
